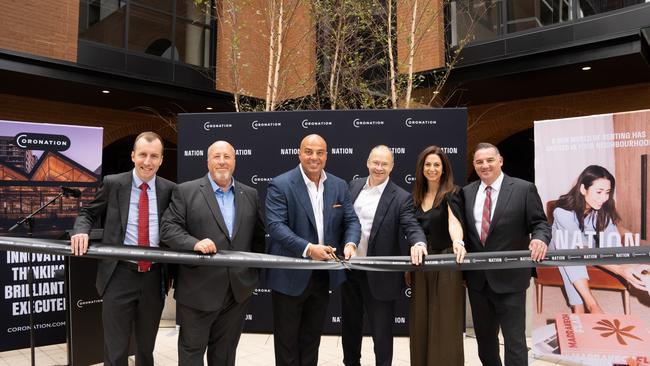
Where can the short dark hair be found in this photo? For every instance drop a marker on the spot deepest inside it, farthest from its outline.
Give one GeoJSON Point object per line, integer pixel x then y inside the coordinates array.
{"type": "Point", "coordinates": [486, 145]}
{"type": "Point", "coordinates": [149, 136]}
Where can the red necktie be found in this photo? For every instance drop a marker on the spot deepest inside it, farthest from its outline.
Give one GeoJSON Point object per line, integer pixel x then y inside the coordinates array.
{"type": "Point", "coordinates": [485, 222]}
{"type": "Point", "coordinates": [143, 225]}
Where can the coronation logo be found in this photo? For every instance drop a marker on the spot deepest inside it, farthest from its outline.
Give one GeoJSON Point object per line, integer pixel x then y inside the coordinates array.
{"type": "Point", "coordinates": [212, 125]}
{"type": "Point", "coordinates": [359, 123]}
{"type": "Point", "coordinates": [410, 122]}
{"type": "Point", "coordinates": [409, 179]}
{"type": "Point", "coordinates": [307, 123]}
{"type": "Point", "coordinates": [258, 291]}
{"type": "Point", "coordinates": [257, 124]}
{"type": "Point", "coordinates": [82, 303]}
{"type": "Point", "coordinates": [255, 179]}
{"type": "Point", "coordinates": [42, 141]}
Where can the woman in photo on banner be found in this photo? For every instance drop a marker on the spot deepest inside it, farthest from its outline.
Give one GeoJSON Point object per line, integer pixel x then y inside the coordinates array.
{"type": "Point", "coordinates": [586, 217]}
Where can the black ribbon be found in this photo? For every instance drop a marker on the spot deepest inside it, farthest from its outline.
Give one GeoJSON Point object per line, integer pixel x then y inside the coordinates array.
{"type": "Point", "coordinates": [473, 261]}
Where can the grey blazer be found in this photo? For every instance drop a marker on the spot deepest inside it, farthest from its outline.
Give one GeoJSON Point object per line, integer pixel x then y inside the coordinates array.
{"type": "Point", "coordinates": [193, 215]}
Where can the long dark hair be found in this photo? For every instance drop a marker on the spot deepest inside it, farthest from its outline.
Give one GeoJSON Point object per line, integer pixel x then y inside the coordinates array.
{"type": "Point", "coordinates": [575, 201]}
{"type": "Point", "coordinates": [446, 179]}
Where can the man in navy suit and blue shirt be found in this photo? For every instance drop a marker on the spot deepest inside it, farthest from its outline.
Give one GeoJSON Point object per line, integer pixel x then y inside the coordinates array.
{"type": "Point", "coordinates": [385, 211]}
{"type": "Point", "coordinates": [309, 214]}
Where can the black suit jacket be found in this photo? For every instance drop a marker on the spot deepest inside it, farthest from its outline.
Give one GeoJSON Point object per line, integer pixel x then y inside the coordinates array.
{"type": "Point", "coordinates": [393, 220]}
{"type": "Point", "coordinates": [193, 215]}
{"type": "Point", "coordinates": [518, 217]}
{"type": "Point", "coordinates": [111, 204]}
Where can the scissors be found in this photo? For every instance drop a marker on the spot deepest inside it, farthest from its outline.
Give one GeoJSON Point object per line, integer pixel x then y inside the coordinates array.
{"type": "Point", "coordinates": [338, 259]}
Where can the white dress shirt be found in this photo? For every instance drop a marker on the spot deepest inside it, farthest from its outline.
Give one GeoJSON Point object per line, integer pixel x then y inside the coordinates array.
{"type": "Point", "coordinates": [316, 199]}
{"type": "Point", "coordinates": [480, 201]}
{"type": "Point", "coordinates": [365, 207]}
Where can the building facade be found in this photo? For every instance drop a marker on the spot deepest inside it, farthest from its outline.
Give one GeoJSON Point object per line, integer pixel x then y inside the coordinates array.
{"type": "Point", "coordinates": [132, 65]}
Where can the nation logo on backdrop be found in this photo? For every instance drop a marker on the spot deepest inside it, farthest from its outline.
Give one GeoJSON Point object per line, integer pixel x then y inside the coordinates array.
{"type": "Point", "coordinates": [342, 151]}
{"type": "Point", "coordinates": [289, 151]}
{"type": "Point", "coordinates": [244, 152]}
{"type": "Point", "coordinates": [192, 152]}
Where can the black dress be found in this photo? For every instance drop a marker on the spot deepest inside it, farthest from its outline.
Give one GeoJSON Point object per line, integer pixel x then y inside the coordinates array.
{"type": "Point", "coordinates": [437, 304]}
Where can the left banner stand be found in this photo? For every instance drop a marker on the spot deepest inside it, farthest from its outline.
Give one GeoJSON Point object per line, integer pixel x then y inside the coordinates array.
{"type": "Point", "coordinates": [36, 161]}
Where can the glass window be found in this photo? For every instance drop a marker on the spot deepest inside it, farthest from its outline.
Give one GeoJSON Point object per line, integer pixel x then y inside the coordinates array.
{"type": "Point", "coordinates": [193, 33]}
{"type": "Point", "coordinates": [481, 19]}
{"type": "Point", "coordinates": [102, 21]}
{"type": "Point", "coordinates": [188, 10]}
{"type": "Point", "coordinates": [490, 19]}
{"type": "Point", "coordinates": [150, 32]}
{"type": "Point", "coordinates": [166, 6]}
{"type": "Point", "coordinates": [593, 7]}
{"type": "Point", "coordinates": [193, 43]}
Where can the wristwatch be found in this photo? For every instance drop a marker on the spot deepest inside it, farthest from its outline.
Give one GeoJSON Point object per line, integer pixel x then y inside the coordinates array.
{"type": "Point", "coordinates": [462, 243]}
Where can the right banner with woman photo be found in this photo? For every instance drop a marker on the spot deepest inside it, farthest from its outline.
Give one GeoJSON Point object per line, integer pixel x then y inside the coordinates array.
{"type": "Point", "coordinates": [592, 177]}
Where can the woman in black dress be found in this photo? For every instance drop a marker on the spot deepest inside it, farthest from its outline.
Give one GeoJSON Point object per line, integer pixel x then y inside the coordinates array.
{"type": "Point", "coordinates": [437, 297]}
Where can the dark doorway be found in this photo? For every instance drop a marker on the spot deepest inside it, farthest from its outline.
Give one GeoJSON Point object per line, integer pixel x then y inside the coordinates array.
{"type": "Point", "coordinates": [518, 153]}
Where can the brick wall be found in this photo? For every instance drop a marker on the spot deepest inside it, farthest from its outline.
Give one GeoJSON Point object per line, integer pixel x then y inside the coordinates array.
{"type": "Point", "coordinates": [429, 34]}
{"type": "Point", "coordinates": [43, 28]}
{"type": "Point", "coordinates": [251, 29]}
{"type": "Point", "coordinates": [117, 124]}
{"type": "Point", "coordinates": [497, 121]}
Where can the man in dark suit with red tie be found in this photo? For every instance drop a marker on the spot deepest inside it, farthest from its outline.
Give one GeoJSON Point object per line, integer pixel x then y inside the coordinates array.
{"type": "Point", "coordinates": [501, 214]}
{"type": "Point", "coordinates": [131, 205]}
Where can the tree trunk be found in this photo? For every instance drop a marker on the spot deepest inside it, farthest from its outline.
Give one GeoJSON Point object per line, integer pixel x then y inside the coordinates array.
{"type": "Point", "coordinates": [269, 81]}
{"type": "Point", "coordinates": [409, 82]}
{"type": "Point", "coordinates": [278, 54]}
{"type": "Point", "coordinates": [391, 59]}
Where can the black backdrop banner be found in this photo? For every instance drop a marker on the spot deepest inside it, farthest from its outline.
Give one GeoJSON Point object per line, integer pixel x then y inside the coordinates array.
{"type": "Point", "coordinates": [267, 144]}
